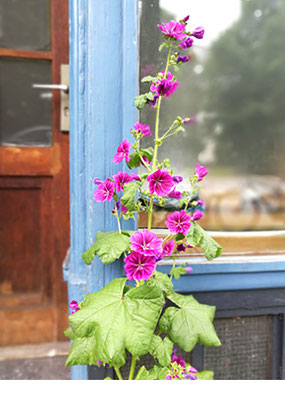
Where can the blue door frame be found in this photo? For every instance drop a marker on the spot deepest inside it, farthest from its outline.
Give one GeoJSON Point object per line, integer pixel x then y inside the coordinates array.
{"type": "Point", "coordinates": [103, 83]}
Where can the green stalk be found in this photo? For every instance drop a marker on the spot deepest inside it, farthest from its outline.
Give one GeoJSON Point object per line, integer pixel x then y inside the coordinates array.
{"type": "Point", "coordinates": [118, 219]}
{"type": "Point", "coordinates": [118, 373]}
{"type": "Point", "coordinates": [133, 366]}
{"type": "Point", "coordinates": [156, 140]}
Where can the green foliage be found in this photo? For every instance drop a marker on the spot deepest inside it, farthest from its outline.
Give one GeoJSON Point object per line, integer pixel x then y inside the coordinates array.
{"type": "Point", "coordinates": [156, 373]}
{"type": "Point", "coordinates": [129, 196]}
{"type": "Point", "coordinates": [197, 236]}
{"type": "Point", "coordinates": [162, 281]}
{"type": "Point", "coordinates": [149, 79]}
{"type": "Point", "coordinates": [141, 100]}
{"type": "Point", "coordinates": [205, 375]}
{"type": "Point", "coordinates": [82, 352]}
{"type": "Point", "coordinates": [176, 272]}
{"type": "Point", "coordinates": [161, 349]}
{"type": "Point", "coordinates": [118, 320]}
{"type": "Point", "coordinates": [197, 321]}
{"type": "Point", "coordinates": [108, 246]}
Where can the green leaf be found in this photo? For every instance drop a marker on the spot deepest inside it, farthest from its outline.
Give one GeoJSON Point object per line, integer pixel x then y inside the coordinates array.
{"type": "Point", "coordinates": [158, 372]}
{"type": "Point", "coordinates": [119, 320]}
{"type": "Point", "coordinates": [134, 161]}
{"type": "Point", "coordinates": [149, 79]}
{"type": "Point", "coordinates": [143, 374]}
{"type": "Point", "coordinates": [108, 246]}
{"type": "Point", "coordinates": [148, 152]}
{"type": "Point", "coordinates": [197, 236]}
{"type": "Point", "coordinates": [68, 333]}
{"type": "Point", "coordinates": [129, 196]}
{"type": "Point", "coordinates": [179, 237]}
{"type": "Point", "coordinates": [141, 100]}
{"type": "Point", "coordinates": [189, 324]}
{"type": "Point", "coordinates": [205, 375]}
{"type": "Point", "coordinates": [177, 272]}
{"type": "Point", "coordinates": [161, 349]}
{"type": "Point", "coordinates": [162, 281]}
{"type": "Point", "coordinates": [82, 352]}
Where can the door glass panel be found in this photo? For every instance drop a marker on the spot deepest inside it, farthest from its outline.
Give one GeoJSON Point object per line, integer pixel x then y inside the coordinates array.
{"type": "Point", "coordinates": [25, 24]}
{"type": "Point", "coordinates": [234, 85]}
{"type": "Point", "coordinates": [25, 113]}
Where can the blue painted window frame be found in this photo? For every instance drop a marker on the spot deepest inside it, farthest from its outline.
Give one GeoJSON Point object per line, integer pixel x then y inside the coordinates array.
{"type": "Point", "coordinates": [103, 83]}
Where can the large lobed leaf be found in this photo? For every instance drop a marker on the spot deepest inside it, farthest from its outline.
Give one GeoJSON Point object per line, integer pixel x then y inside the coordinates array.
{"type": "Point", "coordinates": [82, 352]}
{"type": "Point", "coordinates": [161, 349]}
{"type": "Point", "coordinates": [108, 246]}
{"type": "Point", "coordinates": [162, 281]}
{"type": "Point", "coordinates": [190, 323]}
{"type": "Point", "coordinates": [197, 236]}
{"type": "Point", "coordinates": [118, 320]}
{"type": "Point", "coordinates": [129, 196]}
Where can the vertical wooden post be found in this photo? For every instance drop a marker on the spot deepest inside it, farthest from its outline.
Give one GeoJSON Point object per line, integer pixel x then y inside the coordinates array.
{"type": "Point", "coordinates": [103, 83]}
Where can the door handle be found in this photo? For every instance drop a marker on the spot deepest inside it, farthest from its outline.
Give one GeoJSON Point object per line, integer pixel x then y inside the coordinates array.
{"type": "Point", "coordinates": [64, 95]}
{"type": "Point", "coordinates": [63, 87]}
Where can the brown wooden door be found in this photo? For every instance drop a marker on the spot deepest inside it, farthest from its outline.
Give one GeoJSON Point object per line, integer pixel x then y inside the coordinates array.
{"type": "Point", "coordinates": [34, 172]}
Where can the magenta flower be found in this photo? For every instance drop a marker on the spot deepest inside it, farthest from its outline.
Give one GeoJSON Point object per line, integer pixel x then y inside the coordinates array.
{"type": "Point", "coordinates": [178, 360]}
{"type": "Point", "coordinates": [198, 32]}
{"type": "Point", "coordinates": [134, 176]}
{"type": "Point", "coordinates": [97, 181]}
{"type": "Point", "coordinates": [201, 171]}
{"type": "Point", "coordinates": [74, 306]}
{"type": "Point", "coordinates": [178, 222]}
{"type": "Point", "coordinates": [138, 266]}
{"type": "Point", "coordinates": [186, 18]}
{"type": "Point", "coordinates": [160, 182]}
{"type": "Point", "coordinates": [143, 129]}
{"type": "Point", "coordinates": [123, 208]}
{"type": "Point", "coordinates": [168, 377]}
{"type": "Point", "coordinates": [173, 29]}
{"type": "Point", "coordinates": [188, 271]}
{"type": "Point", "coordinates": [187, 43]}
{"type": "Point", "coordinates": [182, 58]}
{"type": "Point", "coordinates": [105, 191]}
{"type": "Point", "coordinates": [189, 376]}
{"type": "Point", "coordinates": [168, 248]}
{"type": "Point", "coordinates": [123, 152]}
{"type": "Point", "coordinates": [121, 179]}
{"type": "Point", "coordinates": [164, 86]}
{"type": "Point", "coordinates": [200, 202]}
{"type": "Point", "coordinates": [153, 101]}
{"type": "Point", "coordinates": [146, 243]}
{"type": "Point", "coordinates": [175, 194]}
{"type": "Point", "coordinates": [181, 248]}
{"type": "Point", "coordinates": [197, 215]}
{"type": "Point", "coordinates": [177, 179]}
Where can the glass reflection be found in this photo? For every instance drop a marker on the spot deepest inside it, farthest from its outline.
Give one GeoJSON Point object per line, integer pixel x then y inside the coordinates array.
{"type": "Point", "coordinates": [25, 113]}
{"type": "Point", "coordinates": [234, 85]}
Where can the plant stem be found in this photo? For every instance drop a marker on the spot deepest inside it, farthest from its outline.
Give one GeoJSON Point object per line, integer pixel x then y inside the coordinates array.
{"type": "Point", "coordinates": [173, 266]}
{"type": "Point", "coordinates": [118, 373]}
{"type": "Point", "coordinates": [118, 219]}
{"type": "Point", "coordinates": [133, 366]}
{"type": "Point", "coordinates": [156, 139]}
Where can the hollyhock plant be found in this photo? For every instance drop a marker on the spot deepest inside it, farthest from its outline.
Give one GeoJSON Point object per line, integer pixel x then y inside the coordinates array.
{"type": "Point", "coordinates": [164, 86]}
{"type": "Point", "coordinates": [146, 242]}
{"type": "Point", "coordinates": [178, 222]}
{"type": "Point", "coordinates": [105, 191]}
{"type": "Point", "coordinates": [201, 171]}
{"type": "Point", "coordinates": [197, 215]}
{"type": "Point", "coordinates": [142, 312]}
{"type": "Point", "coordinates": [142, 129]}
{"type": "Point", "coordinates": [198, 32]}
{"type": "Point", "coordinates": [187, 43]}
{"type": "Point", "coordinates": [138, 266]}
{"type": "Point", "coordinates": [173, 29]}
{"type": "Point", "coordinates": [160, 182]}
{"type": "Point", "coordinates": [123, 152]}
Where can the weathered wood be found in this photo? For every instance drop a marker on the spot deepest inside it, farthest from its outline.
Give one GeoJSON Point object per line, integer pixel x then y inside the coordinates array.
{"type": "Point", "coordinates": [12, 53]}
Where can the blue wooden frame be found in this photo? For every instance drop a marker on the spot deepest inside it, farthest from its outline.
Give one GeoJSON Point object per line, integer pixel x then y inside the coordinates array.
{"type": "Point", "coordinates": [103, 83]}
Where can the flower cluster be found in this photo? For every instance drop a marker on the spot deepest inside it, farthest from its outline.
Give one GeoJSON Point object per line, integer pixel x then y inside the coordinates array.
{"type": "Point", "coordinates": [179, 370]}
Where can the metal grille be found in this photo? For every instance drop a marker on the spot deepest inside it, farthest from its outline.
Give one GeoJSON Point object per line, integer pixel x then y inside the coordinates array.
{"type": "Point", "coordinates": [245, 350]}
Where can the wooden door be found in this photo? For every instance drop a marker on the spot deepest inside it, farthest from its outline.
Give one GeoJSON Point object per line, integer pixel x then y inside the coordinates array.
{"type": "Point", "coordinates": [34, 172]}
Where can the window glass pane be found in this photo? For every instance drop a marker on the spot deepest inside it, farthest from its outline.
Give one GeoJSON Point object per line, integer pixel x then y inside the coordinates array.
{"type": "Point", "coordinates": [234, 85]}
{"type": "Point", "coordinates": [25, 24]}
{"type": "Point", "coordinates": [25, 113]}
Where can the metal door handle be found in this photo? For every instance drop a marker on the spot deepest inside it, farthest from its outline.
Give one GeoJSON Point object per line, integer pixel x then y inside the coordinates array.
{"type": "Point", "coordinates": [62, 87]}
